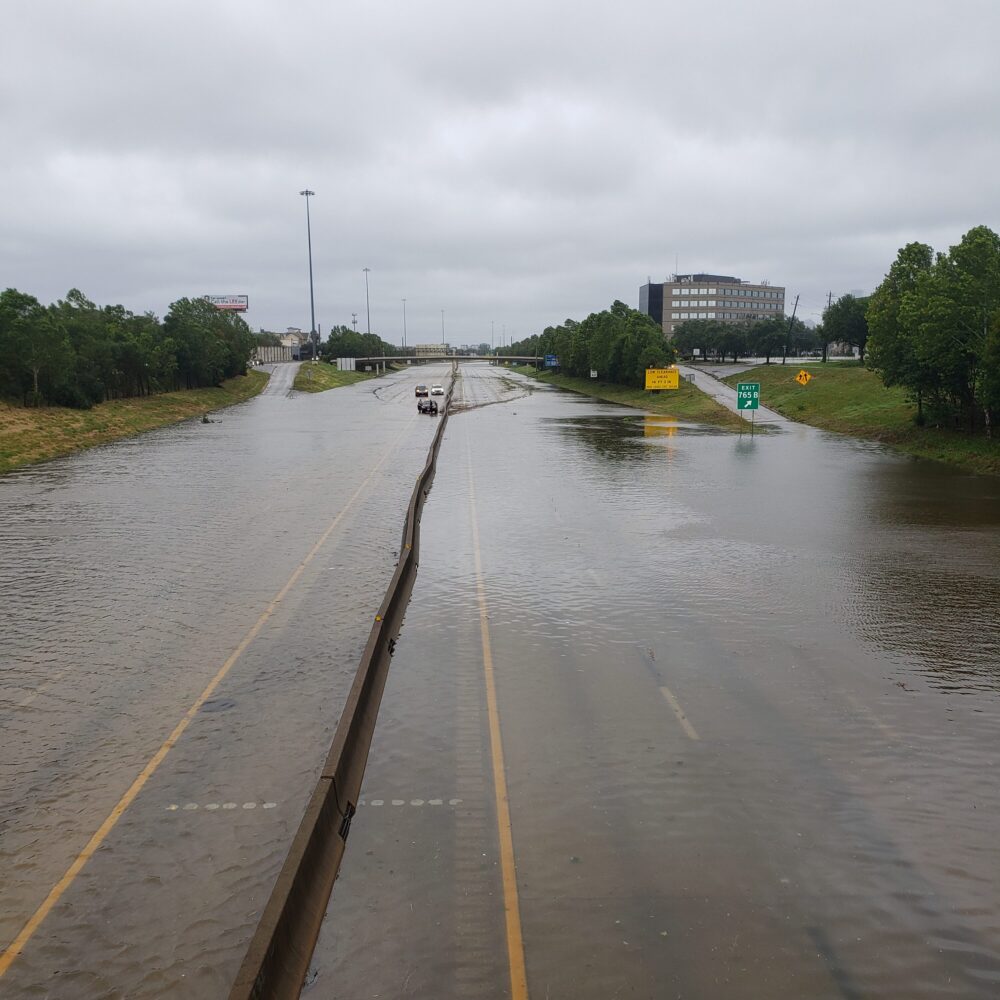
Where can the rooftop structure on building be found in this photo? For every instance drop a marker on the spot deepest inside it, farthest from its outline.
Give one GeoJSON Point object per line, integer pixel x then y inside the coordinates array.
{"type": "Point", "coordinates": [719, 297]}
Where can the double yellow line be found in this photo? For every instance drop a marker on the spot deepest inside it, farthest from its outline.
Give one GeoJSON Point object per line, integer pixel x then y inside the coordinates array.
{"type": "Point", "coordinates": [55, 894]}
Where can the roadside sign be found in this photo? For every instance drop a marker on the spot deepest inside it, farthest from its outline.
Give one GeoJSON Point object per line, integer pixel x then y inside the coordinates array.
{"type": "Point", "coordinates": [747, 395]}
{"type": "Point", "coordinates": [663, 378]}
{"type": "Point", "coordinates": [232, 303]}
{"type": "Point", "coordinates": [593, 374]}
{"type": "Point", "coordinates": [803, 377]}
{"type": "Point", "coordinates": [551, 361]}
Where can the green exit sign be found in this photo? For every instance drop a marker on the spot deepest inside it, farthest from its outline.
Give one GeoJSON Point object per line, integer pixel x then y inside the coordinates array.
{"type": "Point", "coordinates": [747, 395]}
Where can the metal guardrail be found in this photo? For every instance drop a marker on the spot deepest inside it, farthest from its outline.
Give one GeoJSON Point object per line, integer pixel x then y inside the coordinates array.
{"type": "Point", "coordinates": [277, 960]}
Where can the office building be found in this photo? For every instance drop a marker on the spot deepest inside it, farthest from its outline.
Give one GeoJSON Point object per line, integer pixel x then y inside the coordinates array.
{"type": "Point", "coordinates": [713, 296]}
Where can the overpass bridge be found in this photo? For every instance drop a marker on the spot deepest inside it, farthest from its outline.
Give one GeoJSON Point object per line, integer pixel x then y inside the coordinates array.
{"type": "Point", "coordinates": [438, 359]}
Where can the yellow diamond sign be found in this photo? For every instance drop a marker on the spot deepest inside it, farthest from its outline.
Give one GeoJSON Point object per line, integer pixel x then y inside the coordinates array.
{"type": "Point", "coordinates": [803, 377]}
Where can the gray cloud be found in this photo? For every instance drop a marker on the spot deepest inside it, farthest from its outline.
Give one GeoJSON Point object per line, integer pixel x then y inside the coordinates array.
{"type": "Point", "coordinates": [516, 163]}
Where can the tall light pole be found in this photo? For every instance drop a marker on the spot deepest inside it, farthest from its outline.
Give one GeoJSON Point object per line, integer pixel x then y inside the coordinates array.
{"type": "Point", "coordinates": [312, 302]}
{"type": "Point", "coordinates": [442, 328]}
{"type": "Point", "coordinates": [367, 302]}
{"type": "Point", "coordinates": [404, 322]}
{"type": "Point", "coordinates": [354, 321]}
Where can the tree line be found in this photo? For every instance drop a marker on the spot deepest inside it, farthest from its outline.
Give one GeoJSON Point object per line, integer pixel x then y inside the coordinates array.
{"type": "Point", "coordinates": [934, 329]}
{"type": "Point", "coordinates": [76, 353]}
{"type": "Point", "coordinates": [619, 343]}
{"type": "Point", "coordinates": [346, 342]}
{"type": "Point", "coordinates": [761, 338]}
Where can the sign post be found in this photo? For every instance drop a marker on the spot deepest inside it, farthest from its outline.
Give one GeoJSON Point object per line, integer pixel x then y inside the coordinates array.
{"type": "Point", "coordinates": [748, 398]}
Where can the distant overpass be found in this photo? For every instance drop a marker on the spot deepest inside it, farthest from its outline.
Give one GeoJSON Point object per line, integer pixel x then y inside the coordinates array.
{"type": "Point", "coordinates": [380, 362]}
{"type": "Point", "coordinates": [431, 359]}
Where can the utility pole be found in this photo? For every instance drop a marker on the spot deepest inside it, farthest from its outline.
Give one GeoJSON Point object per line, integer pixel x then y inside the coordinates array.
{"type": "Point", "coordinates": [788, 332]}
{"type": "Point", "coordinates": [367, 302]}
{"type": "Point", "coordinates": [826, 342]}
{"type": "Point", "coordinates": [354, 321]}
{"type": "Point", "coordinates": [312, 302]}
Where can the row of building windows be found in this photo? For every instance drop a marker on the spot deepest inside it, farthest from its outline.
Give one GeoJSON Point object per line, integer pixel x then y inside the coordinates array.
{"type": "Point", "coordinates": [752, 293]}
{"type": "Point", "coordinates": [712, 315]}
{"type": "Point", "coordinates": [710, 303]}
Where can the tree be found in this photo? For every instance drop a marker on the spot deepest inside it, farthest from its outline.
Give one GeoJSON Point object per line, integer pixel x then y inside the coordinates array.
{"type": "Point", "coordinates": [844, 322]}
{"type": "Point", "coordinates": [892, 338]}
{"type": "Point", "coordinates": [766, 336]}
{"type": "Point", "coordinates": [40, 354]}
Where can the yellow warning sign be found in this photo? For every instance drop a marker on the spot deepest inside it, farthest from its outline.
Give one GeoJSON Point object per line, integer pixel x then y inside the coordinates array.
{"type": "Point", "coordinates": [803, 377]}
{"type": "Point", "coordinates": [663, 378]}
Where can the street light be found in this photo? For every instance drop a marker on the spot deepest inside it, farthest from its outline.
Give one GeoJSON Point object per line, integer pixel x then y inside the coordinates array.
{"type": "Point", "coordinates": [442, 328]}
{"type": "Point", "coordinates": [312, 302]}
{"type": "Point", "coordinates": [404, 322]}
{"type": "Point", "coordinates": [367, 303]}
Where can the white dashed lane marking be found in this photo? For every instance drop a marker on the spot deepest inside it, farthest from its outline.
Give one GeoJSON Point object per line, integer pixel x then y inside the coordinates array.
{"type": "Point", "coordinates": [413, 802]}
{"type": "Point", "coordinates": [212, 806]}
{"type": "Point", "coordinates": [215, 806]}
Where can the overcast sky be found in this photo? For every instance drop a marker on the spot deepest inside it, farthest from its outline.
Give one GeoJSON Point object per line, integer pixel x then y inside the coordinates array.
{"type": "Point", "coordinates": [516, 163]}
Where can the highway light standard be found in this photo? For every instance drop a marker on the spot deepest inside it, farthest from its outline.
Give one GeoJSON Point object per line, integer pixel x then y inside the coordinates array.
{"type": "Point", "coordinates": [367, 303]}
{"type": "Point", "coordinates": [442, 328]}
{"type": "Point", "coordinates": [404, 322]}
{"type": "Point", "coordinates": [312, 302]}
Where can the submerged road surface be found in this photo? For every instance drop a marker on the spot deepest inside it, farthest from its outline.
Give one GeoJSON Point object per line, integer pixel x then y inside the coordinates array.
{"type": "Point", "coordinates": [183, 615]}
{"type": "Point", "coordinates": [674, 713]}
{"type": "Point", "coordinates": [678, 713]}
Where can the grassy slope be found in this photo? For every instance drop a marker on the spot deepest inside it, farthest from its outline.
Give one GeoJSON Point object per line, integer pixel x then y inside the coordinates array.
{"type": "Point", "coordinates": [685, 403]}
{"type": "Point", "coordinates": [320, 376]}
{"type": "Point", "coordinates": [34, 435]}
{"type": "Point", "coordinates": [852, 400]}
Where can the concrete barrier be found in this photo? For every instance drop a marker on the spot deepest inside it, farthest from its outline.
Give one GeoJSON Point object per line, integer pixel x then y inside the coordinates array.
{"type": "Point", "coordinates": [278, 957]}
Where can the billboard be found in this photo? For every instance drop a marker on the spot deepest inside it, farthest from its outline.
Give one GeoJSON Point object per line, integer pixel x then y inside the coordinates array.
{"type": "Point", "coordinates": [551, 361]}
{"type": "Point", "coordinates": [233, 303]}
{"type": "Point", "coordinates": [662, 378]}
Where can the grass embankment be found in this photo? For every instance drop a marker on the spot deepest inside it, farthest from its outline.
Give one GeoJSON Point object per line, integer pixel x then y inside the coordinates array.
{"type": "Point", "coordinates": [34, 435]}
{"type": "Point", "coordinates": [320, 376]}
{"type": "Point", "coordinates": [850, 399]}
{"type": "Point", "coordinates": [685, 403]}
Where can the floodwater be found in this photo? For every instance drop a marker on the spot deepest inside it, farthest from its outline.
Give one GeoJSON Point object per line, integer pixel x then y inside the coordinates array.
{"type": "Point", "coordinates": [132, 575]}
{"type": "Point", "coordinates": [749, 701]}
{"type": "Point", "coordinates": [748, 692]}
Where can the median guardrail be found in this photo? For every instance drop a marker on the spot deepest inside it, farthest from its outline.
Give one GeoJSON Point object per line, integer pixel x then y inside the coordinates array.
{"type": "Point", "coordinates": [277, 960]}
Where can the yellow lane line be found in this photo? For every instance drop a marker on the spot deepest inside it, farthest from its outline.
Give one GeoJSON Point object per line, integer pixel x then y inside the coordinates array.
{"type": "Point", "coordinates": [512, 913]}
{"type": "Point", "coordinates": [28, 931]}
{"type": "Point", "coordinates": [679, 712]}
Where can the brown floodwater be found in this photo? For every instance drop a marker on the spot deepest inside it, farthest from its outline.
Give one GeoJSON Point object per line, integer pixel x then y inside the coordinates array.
{"type": "Point", "coordinates": [749, 695]}
{"type": "Point", "coordinates": [748, 692]}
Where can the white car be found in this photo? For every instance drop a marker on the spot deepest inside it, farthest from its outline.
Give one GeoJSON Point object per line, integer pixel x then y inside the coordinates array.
{"type": "Point", "coordinates": [437, 390]}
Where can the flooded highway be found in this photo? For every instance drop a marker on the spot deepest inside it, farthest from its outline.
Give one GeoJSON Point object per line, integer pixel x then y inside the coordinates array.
{"type": "Point", "coordinates": [674, 712]}
{"type": "Point", "coordinates": [747, 712]}
{"type": "Point", "coordinates": [234, 566]}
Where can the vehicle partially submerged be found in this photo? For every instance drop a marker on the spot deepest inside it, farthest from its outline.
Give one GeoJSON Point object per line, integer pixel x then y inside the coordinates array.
{"type": "Point", "coordinates": [421, 390]}
{"type": "Point", "coordinates": [427, 406]}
